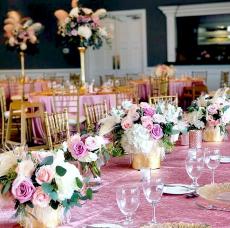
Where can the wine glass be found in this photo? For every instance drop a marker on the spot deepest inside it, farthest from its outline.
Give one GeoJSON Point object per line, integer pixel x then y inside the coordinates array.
{"type": "Point", "coordinates": [128, 199]}
{"type": "Point", "coordinates": [194, 164]}
{"type": "Point", "coordinates": [212, 160]}
{"type": "Point", "coordinates": [153, 191]}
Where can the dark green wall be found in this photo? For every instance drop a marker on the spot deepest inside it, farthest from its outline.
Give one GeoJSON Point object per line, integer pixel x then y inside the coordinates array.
{"type": "Point", "coordinates": [50, 54]}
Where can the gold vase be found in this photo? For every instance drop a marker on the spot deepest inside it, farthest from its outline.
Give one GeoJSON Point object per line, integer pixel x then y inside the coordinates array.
{"type": "Point", "coordinates": [212, 134]}
{"type": "Point", "coordinates": [42, 217]}
{"type": "Point", "coordinates": [195, 139]}
{"type": "Point", "coordinates": [151, 160]}
{"type": "Point", "coordinates": [82, 63]}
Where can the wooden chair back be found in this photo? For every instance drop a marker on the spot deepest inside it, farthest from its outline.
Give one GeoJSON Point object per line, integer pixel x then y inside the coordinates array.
{"type": "Point", "coordinates": [3, 114]}
{"type": "Point", "coordinates": [94, 113]}
{"type": "Point", "coordinates": [155, 85]}
{"type": "Point", "coordinates": [167, 99]}
{"type": "Point", "coordinates": [164, 85]}
{"type": "Point", "coordinates": [21, 117]}
{"type": "Point", "coordinates": [198, 90]}
{"type": "Point", "coordinates": [57, 128]}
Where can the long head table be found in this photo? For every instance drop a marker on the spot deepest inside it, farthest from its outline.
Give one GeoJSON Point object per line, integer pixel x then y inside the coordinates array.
{"type": "Point", "coordinates": [172, 208]}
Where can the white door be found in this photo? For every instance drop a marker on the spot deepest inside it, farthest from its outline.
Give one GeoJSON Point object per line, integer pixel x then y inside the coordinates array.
{"type": "Point", "coordinates": [127, 52]}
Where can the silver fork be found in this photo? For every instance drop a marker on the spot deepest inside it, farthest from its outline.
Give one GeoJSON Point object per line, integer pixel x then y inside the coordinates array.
{"type": "Point", "coordinates": [212, 207]}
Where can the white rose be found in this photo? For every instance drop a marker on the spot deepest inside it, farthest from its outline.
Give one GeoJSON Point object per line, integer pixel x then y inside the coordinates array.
{"type": "Point", "coordinates": [12, 41]}
{"type": "Point", "coordinates": [89, 157]}
{"type": "Point", "coordinates": [23, 46]}
{"type": "Point", "coordinates": [87, 11]}
{"type": "Point", "coordinates": [84, 31]}
{"type": "Point", "coordinates": [158, 118]}
{"type": "Point", "coordinates": [67, 184]}
{"type": "Point", "coordinates": [25, 168]}
{"type": "Point", "coordinates": [74, 12]}
{"type": "Point", "coordinates": [100, 13]}
{"type": "Point", "coordinates": [7, 160]}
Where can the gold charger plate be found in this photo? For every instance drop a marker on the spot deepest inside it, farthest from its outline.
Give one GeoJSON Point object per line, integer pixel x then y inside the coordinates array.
{"type": "Point", "coordinates": [216, 193]}
{"type": "Point", "coordinates": [177, 225]}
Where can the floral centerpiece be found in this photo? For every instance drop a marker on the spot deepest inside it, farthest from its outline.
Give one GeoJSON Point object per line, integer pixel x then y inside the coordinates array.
{"type": "Point", "coordinates": [43, 186]}
{"type": "Point", "coordinates": [142, 129]}
{"type": "Point", "coordinates": [82, 27]}
{"type": "Point", "coordinates": [88, 153]}
{"type": "Point", "coordinates": [210, 114]}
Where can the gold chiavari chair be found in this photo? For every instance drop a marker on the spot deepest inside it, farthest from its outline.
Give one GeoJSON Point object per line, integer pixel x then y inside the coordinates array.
{"type": "Point", "coordinates": [57, 128]}
{"type": "Point", "coordinates": [65, 99]}
{"type": "Point", "coordinates": [127, 93]}
{"type": "Point", "coordinates": [224, 79]}
{"type": "Point", "coordinates": [94, 113]}
{"type": "Point", "coordinates": [120, 81]}
{"type": "Point", "coordinates": [203, 75]}
{"type": "Point", "coordinates": [167, 99]}
{"type": "Point", "coordinates": [164, 85]}
{"type": "Point", "coordinates": [155, 85]}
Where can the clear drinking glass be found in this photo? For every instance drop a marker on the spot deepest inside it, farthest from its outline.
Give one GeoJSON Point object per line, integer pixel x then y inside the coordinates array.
{"type": "Point", "coordinates": [153, 191]}
{"type": "Point", "coordinates": [212, 160]}
{"type": "Point", "coordinates": [128, 199]}
{"type": "Point", "coordinates": [194, 164]}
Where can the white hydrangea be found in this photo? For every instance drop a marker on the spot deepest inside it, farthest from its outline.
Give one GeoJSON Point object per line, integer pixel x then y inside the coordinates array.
{"type": "Point", "coordinates": [137, 140]}
{"type": "Point", "coordinates": [116, 112]}
{"type": "Point", "coordinates": [103, 32]}
{"type": "Point", "coordinates": [90, 157]}
{"type": "Point", "coordinates": [158, 118]}
{"type": "Point", "coordinates": [126, 104]}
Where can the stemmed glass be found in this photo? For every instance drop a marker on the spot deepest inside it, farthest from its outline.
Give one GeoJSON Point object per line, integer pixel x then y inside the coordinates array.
{"type": "Point", "coordinates": [153, 191]}
{"type": "Point", "coordinates": [128, 199]}
{"type": "Point", "coordinates": [212, 160]}
{"type": "Point", "coordinates": [194, 164]}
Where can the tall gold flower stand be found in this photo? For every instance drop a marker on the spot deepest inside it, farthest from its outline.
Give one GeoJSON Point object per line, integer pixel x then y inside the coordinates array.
{"type": "Point", "coordinates": [151, 160]}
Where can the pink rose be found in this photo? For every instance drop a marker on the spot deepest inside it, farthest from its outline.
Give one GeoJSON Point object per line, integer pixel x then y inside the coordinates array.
{"type": "Point", "coordinates": [44, 174]}
{"type": "Point", "coordinates": [76, 147]}
{"type": "Point", "coordinates": [212, 109]}
{"type": "Point", "coordinates": [144, 105]}
{"type": "Point", "coordinates": [91, 143]}
{"type": "Point", "coordinates": [149, 111]}
{"type": "Point", "coordinates": [22, 189]}
{"type": "Point", "coordinates": [134, 116]}
{"type": "Point", "coordinates": [40, 198]}
{"type": "Point", "coordinates": [126, 123]}
{"type": "Point", "coordinates": [147, 122]}
{"type": "Point", "coordinates": [157, 132]}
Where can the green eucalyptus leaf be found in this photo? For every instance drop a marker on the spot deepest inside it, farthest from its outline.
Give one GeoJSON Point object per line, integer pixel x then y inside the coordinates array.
{"type": "Point", "coordinates": [29, 203]}
{"type": "Point", "coordinates": [89, 193]}
{"type": "Point", "coordinates": [79, 183]}
{"type": "Point", "coordinates": [47, 161]}
{"type": "Point", "coordinates": [47, 188]}
{"type": "Point", "coordinates": [60, 171]}
{"type": "Point", "coordinates": [6, 188]}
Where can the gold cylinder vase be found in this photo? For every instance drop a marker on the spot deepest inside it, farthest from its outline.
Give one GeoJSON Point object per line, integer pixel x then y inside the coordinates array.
{"type": "Point", "coordinates": [212, 134]}
{"type": "Point", "coordinates": [82, 63]}
{"type": "Point", "coordinates": [195, 139]}
{"type": "Point", "coordinates": [151, 160]}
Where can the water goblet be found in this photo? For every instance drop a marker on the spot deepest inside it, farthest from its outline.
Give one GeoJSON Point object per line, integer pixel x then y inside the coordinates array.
{"type": "Point", "coordinates": [194, 165]}
{"type": "Point", "coordinates": [153, 191]}
{"type": "Point", "coordinates": [212, 160]}
{"type": "Point", "coordinates": [128, 199]}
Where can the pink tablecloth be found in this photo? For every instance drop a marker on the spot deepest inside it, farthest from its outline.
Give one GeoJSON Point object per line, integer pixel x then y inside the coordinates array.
{"type": "Point", "coordinates": [84, 99]}
{"type": "Point", "coordinates": [176, 86]}
{"type": "Point", "coordinates": [172, 208]}
{"type": "Point", "coordinates": [144, 89]}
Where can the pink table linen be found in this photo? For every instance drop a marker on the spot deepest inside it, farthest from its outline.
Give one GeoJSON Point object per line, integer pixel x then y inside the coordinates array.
{"type": "Point", "coordinates": [176, 85]}
{"type": "Point", "coordinates": [172, 208]}
{"type": "Point", "coordinates": [144, 89]}
{"type": "Point", "coordinates": [84, 99]}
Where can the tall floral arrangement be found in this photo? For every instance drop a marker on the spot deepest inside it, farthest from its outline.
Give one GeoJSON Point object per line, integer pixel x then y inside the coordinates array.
{"type": "Point", "coordinates": [42, 183]}
{"type": "Point", "coordinates": [209, 111]}
{"type": "Point", "coordinates": [164, 71]}
{"type": "Point", "coordinates": [82, 26]}
{"type": "Point", "coordinates": [20, 31]}
{"type": "Point", "coordinates": [142, 128]}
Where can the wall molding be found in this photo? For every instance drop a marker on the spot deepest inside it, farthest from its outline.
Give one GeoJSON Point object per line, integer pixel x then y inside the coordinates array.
{"type": "Point", "coordinates": [172, 12]}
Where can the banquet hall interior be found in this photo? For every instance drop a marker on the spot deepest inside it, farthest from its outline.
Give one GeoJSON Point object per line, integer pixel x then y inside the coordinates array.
{"type": "Point", "coordinates": [115, 113]}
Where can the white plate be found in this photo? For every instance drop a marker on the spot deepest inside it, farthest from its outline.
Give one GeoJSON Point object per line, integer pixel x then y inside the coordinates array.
{"type": "Point", "coordinates": [104, 225]}
{"type": "Point", "coordinates": [225, 159]}
{"type": "Point", "coordinates": [177, 189]}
